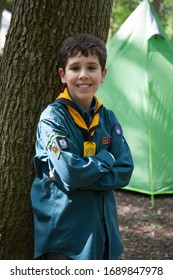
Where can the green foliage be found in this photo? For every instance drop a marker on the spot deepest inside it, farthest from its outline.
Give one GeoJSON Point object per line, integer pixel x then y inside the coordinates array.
{"type": "Point", "coordinates": [166, 16]}
{"type": "Point", "coordinates": [123, 8]}
{"type": "Point", "coordinates": [9, 5]}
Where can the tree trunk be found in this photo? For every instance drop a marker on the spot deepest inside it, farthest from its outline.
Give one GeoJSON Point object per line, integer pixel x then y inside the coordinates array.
{"type": "Point", "coordinates": [27, 85]}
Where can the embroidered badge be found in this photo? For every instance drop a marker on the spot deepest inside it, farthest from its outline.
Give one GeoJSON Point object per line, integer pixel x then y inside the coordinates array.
{"type": "Point", "coordinates": [56, 142]}
{"type": "Point", "coordinates": [118, 130]}
{"type": "Point", "coordinates": [55, 149]}
{"type": "Point", "coordinates": [106, 140]}
{"type": "Point", "coordinates": [63, 143]}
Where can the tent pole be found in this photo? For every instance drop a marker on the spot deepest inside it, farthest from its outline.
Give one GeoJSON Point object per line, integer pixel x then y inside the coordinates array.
{"type": "Point", "coordinates": [152, 200]}
{"type": "Point", "coordinates": [150, 159]}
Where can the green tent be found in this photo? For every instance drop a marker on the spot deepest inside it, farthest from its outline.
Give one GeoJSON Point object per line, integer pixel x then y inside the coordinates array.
{"type": "Point", "coordinates": [139, 89]}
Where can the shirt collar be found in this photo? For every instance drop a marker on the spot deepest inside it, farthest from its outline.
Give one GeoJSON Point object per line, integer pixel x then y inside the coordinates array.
{"type": "Point", "coordinates": [82, 111]}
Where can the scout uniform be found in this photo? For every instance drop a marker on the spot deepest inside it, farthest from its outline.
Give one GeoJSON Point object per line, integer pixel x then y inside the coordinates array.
{"type": "Point", "coordinates": [90, 158]}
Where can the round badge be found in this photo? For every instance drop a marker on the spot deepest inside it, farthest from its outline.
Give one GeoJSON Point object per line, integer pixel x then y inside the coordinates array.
{"type": "Point", "coordinates": [118, 130]}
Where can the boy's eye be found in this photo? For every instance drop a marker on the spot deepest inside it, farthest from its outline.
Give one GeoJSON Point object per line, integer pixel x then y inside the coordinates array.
{"type": "Point", "coordinates": [92, 68]}
{"type": "Point", "coordinates": [75, 68]}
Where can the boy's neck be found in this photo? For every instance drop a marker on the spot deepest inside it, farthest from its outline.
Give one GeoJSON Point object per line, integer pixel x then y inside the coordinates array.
{"type": "Point", "coordinates": [85, 106]}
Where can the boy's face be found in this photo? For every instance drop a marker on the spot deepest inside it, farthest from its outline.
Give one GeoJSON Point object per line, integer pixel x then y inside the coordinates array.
{"type": "Point", "coordinates": [83, 76]}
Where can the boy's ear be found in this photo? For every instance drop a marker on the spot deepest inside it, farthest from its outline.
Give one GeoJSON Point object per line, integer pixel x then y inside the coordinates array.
{"type": "Point", "coordinates": [62, 75]}
{"type": "Point", "coordinates": [103, 75]}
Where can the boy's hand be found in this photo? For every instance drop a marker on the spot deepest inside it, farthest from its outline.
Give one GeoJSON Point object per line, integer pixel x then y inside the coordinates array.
{"type": "Point", "coordinates": [52, 177]}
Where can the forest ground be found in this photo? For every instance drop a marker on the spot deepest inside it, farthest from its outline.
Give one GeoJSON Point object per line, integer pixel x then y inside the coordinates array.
{"type": "Point", "coordinates": [146, 231]}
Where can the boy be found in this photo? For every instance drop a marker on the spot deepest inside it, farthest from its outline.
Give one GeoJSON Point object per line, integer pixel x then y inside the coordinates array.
{"type": "Point", "coordinates": [81, 158]}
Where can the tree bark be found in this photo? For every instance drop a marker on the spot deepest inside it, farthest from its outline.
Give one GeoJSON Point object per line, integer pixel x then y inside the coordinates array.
{"type": "Point", "coordinates": [27, 85]}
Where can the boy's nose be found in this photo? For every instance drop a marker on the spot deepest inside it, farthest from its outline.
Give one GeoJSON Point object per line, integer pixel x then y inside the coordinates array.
{"type": "Point", "coordinates": [83, 74]}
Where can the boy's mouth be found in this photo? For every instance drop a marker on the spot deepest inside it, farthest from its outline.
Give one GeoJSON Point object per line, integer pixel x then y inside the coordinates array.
{"type": "Point", "coordinates": [83, 85]}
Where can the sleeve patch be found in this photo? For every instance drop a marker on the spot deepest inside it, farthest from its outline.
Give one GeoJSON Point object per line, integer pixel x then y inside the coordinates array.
{"type": "Point", "coordinates": [63, 143]}
{"type": "Point", "coordinates": [118, 130]}
{"type": "Point", "coordinates": [55, 149]}
{"type": "Point", "coordinates": [55, 142]}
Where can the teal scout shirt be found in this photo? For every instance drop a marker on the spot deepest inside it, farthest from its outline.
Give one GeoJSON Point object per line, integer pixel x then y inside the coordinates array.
{"type": "Point", "coordinates": [73, 213]}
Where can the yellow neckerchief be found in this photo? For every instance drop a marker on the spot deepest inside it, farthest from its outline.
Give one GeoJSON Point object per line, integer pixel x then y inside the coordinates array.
{"type": "Point", "coordinates": [88, 132]}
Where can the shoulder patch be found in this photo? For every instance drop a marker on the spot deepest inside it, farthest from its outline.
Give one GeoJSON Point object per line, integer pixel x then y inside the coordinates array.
{"type": "Point", "coordinates": [55, 142]}
{"type": "Point", "coordinates": [62, 143]}
{"type": "Point", "coordinates": [55, 149]}
{"type": "Point", "coordinates": [52, 136]}
{"type": "Point", "coordinates": [118, 130]}
{"type": "Point", "coordinates": [106, 140]}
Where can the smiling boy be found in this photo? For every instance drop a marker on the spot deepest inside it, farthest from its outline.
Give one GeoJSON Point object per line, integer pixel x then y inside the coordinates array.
{"type": "Point", "coordinates": [83, 76]}
{"type": "Point", "coordinates": [81, 158]}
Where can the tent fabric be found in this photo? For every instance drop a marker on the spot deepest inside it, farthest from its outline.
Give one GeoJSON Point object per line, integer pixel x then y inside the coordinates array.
{"type": "Point", "coordinates": [139, 89]}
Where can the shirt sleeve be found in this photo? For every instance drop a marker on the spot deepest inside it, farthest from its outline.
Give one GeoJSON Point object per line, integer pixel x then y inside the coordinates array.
{"type": "Point", "coordinates": [121, 171]}
{"type": "Point", "coordinates": [64, 160]}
